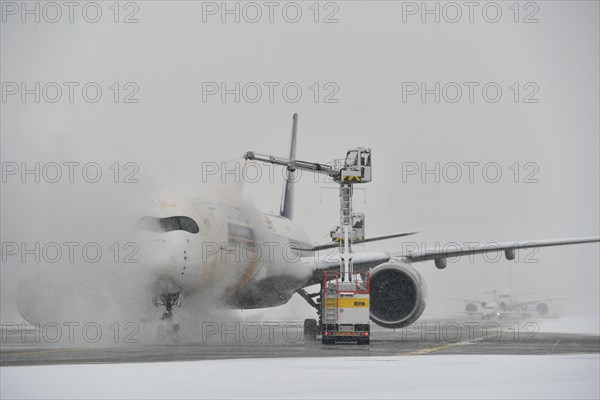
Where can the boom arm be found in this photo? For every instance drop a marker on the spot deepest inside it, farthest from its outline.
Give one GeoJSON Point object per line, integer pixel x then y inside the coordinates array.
{"type": "Point", "coordinates": [292, 164]}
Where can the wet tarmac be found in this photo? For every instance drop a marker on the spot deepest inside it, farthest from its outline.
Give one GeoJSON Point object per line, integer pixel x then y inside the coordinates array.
{"type": "Point", "coordinates": [79, 344]}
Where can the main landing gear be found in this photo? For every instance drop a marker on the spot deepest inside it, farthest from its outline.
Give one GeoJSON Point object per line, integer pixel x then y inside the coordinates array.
{"type": "Point", "coordinates": [311, 326]}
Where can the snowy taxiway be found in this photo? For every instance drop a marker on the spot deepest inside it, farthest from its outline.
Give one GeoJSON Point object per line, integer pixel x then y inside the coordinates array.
{"type": "Point", "coordinates": [440, 376]}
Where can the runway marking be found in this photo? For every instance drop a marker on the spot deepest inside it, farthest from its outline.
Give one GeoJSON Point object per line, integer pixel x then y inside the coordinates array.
{"type": "Point", "coordinates": [429, 350]}
{"type": "Point", "coordinates": [40, 352]}
{"type": "Point", "coordinates": [556, 343]}
{"type": "Point", "coordinates": [443, 347]}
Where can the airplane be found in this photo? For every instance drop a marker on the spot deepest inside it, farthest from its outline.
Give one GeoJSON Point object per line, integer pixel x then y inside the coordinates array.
{"type": "Point", "coordinates": [506, 303]}
{"type": "Point", "coordinates": [249, 259]}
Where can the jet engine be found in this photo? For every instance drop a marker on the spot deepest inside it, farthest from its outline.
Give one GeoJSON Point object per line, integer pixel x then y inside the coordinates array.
{"type": "Point", "coordinates": [542, 308]}
{"type": "Point", "coordinates": [398, 295]}
{"type": "Point", "coordinates": [471, 308]}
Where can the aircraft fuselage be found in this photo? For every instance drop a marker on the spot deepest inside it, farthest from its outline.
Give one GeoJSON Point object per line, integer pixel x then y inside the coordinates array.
{"type": "Point", "coordinates": [239, 254]}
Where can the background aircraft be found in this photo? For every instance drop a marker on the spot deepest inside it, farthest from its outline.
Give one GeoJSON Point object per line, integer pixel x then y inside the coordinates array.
{"type": "Point", "coordinates": [506, 303]}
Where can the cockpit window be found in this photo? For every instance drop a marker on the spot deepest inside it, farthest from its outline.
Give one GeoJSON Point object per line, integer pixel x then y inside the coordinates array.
{"type": "Point", "coordinates": [168, 224]}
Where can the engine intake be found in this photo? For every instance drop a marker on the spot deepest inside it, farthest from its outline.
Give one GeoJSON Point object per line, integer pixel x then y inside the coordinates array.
{"type": "Point", "coordinates": [471, 308]}
{"type": "Point", "coordinates": [542, 308]}
{"type": "Point", "coordinates": [398, 295]}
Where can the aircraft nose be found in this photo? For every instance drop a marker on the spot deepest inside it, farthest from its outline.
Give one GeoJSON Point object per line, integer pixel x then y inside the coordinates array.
{"type": "Point", "coordinates": [172, 247]}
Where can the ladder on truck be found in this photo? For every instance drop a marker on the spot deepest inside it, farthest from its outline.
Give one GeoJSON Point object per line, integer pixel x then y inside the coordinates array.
{"type": "Point", "coordinates": [329, 302]}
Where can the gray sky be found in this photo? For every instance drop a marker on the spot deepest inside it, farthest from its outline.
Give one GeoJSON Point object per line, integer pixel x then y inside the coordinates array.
{"type": "Point", "coordinates": [366, 62]}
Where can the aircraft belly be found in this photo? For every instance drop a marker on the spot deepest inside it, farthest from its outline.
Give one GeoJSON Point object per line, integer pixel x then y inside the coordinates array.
{"type": "Point", "coordinates": [269, 292]}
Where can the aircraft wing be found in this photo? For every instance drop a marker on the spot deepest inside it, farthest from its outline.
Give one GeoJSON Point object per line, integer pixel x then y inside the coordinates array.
{"type": "Point", "coordinates": [332, 245]}
{"type": "Point", "coordinates": [467, 300]}
{"type": "Point", "coordinates": [492, 247]}
{"type": "Point", "coordinates": [366, 260]}
{"type": "Point", "coordinates": [543, 300]}
{"type": "Point", "coordinates": [362, 261]}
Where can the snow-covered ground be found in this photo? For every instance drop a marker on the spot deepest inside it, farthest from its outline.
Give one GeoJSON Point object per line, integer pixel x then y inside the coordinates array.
{"type": "Point", "coordinates": [571, 324]}
{"type": "Point", "coordinates": [433, 376]}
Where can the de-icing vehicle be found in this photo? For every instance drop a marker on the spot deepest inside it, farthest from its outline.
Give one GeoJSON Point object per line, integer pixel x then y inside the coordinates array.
{"type": "Point", "coordinates": [344, 297]}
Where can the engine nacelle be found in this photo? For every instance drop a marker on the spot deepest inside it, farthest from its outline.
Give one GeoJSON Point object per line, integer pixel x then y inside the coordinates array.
{"type": "Point", "coordinates": [509, 254]}
{"type": "Point", "coordinates": [471, 308]}
{"type": "Point", "coordinates": [440, 263]}
{"type": "Point", "coordinates": [398, 295]}
{"type": "Point", "coordinates": [542, 308]}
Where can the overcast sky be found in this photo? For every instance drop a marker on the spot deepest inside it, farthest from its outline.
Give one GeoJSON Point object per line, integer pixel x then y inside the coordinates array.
{"type": "Point", "coordinates": [361, 68]}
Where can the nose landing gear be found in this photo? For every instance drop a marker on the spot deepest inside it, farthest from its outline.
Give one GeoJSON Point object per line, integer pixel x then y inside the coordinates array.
{"type": "Point", "coordinates": [168, 330]}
